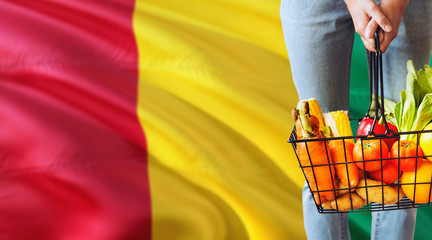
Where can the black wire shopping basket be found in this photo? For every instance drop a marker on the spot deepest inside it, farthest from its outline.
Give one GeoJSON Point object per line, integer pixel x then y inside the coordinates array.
{"type": "Point", "coordinates": [410, 189]}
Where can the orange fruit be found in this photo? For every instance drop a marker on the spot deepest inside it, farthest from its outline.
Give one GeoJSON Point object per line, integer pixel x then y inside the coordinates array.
{"type": "Point", "coordinates": [425, 142]}
{"type": "Point", "coordinates": [422, 183]}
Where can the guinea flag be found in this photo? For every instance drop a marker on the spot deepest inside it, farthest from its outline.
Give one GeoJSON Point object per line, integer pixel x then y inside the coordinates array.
{"type": "Point", "coordinates": [149, 119]}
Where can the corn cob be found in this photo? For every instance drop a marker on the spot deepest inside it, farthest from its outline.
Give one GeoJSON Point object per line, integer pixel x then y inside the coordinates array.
{"type": "Point", "coordinates": [314, 110]}
{"type": "Point", "coordinates": [339, 124]}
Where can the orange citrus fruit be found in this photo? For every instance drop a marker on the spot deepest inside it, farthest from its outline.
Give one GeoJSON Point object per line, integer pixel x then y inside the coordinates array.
{"type": "Point", "coordinates": [422, 186]}
{"type": "Point", "coordinates": [426, 142]}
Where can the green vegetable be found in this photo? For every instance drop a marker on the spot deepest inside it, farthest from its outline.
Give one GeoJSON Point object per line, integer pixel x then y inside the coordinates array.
{"type": "Point", "coordinates": [414, 111]}
{"type": "Point", "coordinates": [389, 106]}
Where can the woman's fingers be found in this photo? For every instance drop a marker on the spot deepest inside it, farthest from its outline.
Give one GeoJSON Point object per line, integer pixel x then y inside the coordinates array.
{"type": "Point", "coordinates": [368, 43]}
{"type": "Point", "coordinates": [369, 40]}
{"type": "Point", "coordinates": [384, 45]}
{"type": "Point", "coordinates": [371, 28]}
{"type": "Point", "coordinates": [368, 18]}
{"type": "Point", "coordinates": [375, 12]}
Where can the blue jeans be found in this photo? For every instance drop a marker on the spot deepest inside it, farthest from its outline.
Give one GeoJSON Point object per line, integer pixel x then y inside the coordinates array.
{"type": "Point", "coordinates": [319, 37]}
{"type": "Point", "coordinates": [392, 225]}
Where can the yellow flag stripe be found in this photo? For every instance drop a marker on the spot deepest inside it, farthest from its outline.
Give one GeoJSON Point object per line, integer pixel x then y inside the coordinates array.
{"type": "Point", "coordinates": [215, 96]}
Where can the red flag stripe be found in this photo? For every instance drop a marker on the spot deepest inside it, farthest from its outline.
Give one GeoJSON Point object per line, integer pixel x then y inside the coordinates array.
{"type": "Point", "coordinates": [73, 159]}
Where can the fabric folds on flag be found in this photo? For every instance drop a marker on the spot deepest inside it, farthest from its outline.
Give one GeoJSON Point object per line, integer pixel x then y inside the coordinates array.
{"type": "Point", "coordinates": [215, 97]}
{"type": "Point", "coordinates": [146, 119]}
{"type": "Point", "coordinates": [73, 159]}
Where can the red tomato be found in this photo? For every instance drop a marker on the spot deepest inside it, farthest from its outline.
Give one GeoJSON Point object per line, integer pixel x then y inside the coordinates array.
{"type": "Point", "coordinates": [391, 141]}
{"type": "Point", "coordinates": [408, 155]}
{"type": "Point", "coordinates": [372, 154]}
{"type": "Point", "coordinates": [389, 171]}
{"type": "Point", "coordinates": [366, 124]}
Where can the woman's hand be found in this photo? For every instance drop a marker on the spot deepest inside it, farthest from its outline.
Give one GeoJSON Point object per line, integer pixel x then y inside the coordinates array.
{"type": "Point", "coordinates": [394, 10]}
{"type": "Point", "coordinates": [367, 16]}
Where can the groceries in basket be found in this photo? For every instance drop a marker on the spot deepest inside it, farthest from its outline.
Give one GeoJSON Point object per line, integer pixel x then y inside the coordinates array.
{"type": "Point", "coordinates": [313, 157]}
{"type": "Point", "coordinates": [329, 165]}
{"type": "Point", "coordinates": [388, 158]}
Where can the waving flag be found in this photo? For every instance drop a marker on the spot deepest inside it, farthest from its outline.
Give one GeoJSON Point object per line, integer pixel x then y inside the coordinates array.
{"type": "Point", "coordinates": [147, 119]}
{"type": "Point", "coordinates": [215, 97]}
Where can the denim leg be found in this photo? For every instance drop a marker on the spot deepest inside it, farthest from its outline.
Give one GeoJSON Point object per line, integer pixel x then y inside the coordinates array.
{"type": "Point", "coordinates": [394, 225]}
{"type": "Point", "coordinates": [321, 226]}
{"type": "Point", "coordinates": [319, 37]}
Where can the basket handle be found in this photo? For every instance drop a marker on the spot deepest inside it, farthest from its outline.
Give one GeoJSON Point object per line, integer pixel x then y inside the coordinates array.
{"type": "Point", "coordinates": [377, 88]}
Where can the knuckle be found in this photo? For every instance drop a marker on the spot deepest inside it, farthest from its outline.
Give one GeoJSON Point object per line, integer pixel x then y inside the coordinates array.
{"type": "Point", "coordinates": [380, 19]}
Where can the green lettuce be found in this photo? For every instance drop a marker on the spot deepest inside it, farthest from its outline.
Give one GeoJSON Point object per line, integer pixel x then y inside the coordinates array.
{"type": "Point", "coordinates": [414, 111]}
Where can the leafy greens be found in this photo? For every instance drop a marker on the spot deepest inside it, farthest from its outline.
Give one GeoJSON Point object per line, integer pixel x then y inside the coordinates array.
{"type": "Point", "coordinates": [414, 111]}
